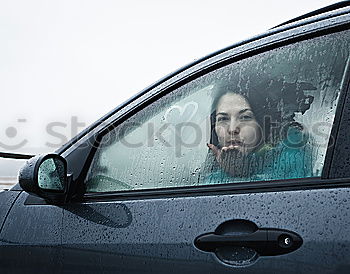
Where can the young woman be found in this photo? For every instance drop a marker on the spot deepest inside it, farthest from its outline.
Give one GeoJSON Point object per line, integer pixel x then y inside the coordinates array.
{"type": "Point", "coordinates": [254, 135]}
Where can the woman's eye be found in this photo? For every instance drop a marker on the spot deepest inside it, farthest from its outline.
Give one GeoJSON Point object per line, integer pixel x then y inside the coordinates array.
{"type": "Point", "coordinates": [246, 117]}
{"type": "Point", "coordinates": [222, 118]}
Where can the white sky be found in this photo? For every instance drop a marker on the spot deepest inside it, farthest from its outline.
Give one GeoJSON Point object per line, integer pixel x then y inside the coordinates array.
{"type": "Point", "coordinates": [82, 58]}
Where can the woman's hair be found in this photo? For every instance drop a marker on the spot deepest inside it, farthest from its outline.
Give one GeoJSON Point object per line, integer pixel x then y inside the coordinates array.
{"type": "Point", "coordinates": [273, 102]}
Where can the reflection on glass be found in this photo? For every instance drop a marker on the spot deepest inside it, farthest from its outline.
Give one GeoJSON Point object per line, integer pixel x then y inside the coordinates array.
{"type": "Point", "coordinates": [51, 175]}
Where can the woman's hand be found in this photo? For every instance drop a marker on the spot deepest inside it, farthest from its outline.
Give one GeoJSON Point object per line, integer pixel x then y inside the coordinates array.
{"type": "Point", "coordinates": [229, 158]}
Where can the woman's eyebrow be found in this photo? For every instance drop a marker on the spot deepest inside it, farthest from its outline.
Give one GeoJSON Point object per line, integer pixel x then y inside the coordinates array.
{"type": "Point", "coordinates": [244, 110]}
{"type": "Point", "coordinates": [239, 112]}
{"type": "Point", "coordinates": [221, 113]}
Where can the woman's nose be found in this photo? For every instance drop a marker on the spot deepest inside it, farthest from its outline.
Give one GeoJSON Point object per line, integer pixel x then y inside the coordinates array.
{"type": "Point", "coordinates": [233, 127]}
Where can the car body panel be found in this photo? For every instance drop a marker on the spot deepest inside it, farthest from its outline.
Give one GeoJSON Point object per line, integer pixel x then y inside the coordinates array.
{"type": "Point", "coordinates": [153, 235]}
{"type": "Point", "coordinates": [31, 231]}
{"type": "Point", "coordinates": [7, 198]}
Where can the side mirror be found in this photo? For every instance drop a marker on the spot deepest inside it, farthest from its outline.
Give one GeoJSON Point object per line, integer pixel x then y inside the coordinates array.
{"type": "Point", "coordinates": [46, 176]}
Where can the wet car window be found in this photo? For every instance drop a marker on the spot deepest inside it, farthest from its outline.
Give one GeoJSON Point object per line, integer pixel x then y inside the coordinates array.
{"type": "Point", "coordinates": [267, 117]}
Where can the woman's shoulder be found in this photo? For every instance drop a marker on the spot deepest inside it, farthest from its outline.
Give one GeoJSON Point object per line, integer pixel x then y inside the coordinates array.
{"type": "Point", "coordinates": [291, 157]}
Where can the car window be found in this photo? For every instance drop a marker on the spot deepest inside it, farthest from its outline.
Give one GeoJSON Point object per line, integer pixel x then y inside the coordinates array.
{"type": "Point", "coordinates": [267, 117]}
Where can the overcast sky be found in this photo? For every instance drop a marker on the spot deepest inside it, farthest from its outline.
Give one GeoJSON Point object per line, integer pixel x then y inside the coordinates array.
{"type": "Point", "coordinates": [81, 58]}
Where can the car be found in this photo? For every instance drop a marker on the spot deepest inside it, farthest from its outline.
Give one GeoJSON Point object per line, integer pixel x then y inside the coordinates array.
{"type": "Point", "coordinates": [236, 163]}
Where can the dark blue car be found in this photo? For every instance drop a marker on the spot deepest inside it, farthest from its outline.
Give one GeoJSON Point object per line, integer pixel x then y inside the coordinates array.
{"type": "Point", "coordinates": [236, 163]}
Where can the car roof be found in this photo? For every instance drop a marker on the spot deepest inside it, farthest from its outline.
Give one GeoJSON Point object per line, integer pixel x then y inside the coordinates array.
{"type": "Point", "coordinates": [311, 17]}
{"type": "Point", "coordinates": [320, 11]}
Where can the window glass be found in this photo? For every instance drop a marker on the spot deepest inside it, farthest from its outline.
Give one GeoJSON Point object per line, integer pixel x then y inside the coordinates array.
{"type": "Point", "coordinates": [267, 117]}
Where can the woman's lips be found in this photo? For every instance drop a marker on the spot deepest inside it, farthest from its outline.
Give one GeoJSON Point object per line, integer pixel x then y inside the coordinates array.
{"type": "Point", "coordinates": [234, 144]}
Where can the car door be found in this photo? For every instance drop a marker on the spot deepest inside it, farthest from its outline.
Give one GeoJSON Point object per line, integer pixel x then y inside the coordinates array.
{"type": "Point", "coordinates": [157, 201]}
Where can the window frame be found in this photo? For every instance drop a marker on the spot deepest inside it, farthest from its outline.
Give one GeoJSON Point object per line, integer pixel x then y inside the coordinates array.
{"type": "Point", "coordinates": [140, 101]}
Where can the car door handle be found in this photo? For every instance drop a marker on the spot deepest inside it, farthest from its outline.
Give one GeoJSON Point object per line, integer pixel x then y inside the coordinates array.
{"type": "Point", "coordinates": [265, 241]}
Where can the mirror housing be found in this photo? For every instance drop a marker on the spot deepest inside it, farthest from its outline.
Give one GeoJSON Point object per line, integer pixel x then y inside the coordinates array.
{"type": "Point", "coordinates": [46, 176]}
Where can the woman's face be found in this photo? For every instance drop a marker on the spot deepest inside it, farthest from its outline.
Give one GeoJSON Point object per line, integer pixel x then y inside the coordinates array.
{"type": "Point", "coordinates": [235, 124]}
